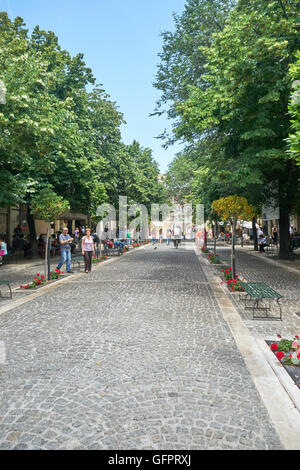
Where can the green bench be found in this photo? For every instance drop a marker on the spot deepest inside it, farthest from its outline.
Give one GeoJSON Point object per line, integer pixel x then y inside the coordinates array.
{"type": "Point", "coordinates": [77, 260]}
{"type": "Point", "coordinates": [256, 294]}
{"type": "Point", "coordinates": [6, 283]}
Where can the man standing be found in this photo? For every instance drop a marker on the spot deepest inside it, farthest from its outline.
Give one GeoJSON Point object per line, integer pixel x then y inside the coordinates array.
{"type": "Point", "coordinates": [65, 249]}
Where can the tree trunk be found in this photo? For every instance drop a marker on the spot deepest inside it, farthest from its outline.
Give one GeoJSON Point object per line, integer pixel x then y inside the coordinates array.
{"type": "Point", "coordinates": [215, 236]}
{"type": "Point", "coordinates": [233, 249]}
{"type": "Point", "coordinates": [254, 234]}
{"type": "Point", "coordinates": [47, 260]}
{"type": "Point", "coordinates": [32, 232]}
{"type": "Point", "coordinates": [284, 234]}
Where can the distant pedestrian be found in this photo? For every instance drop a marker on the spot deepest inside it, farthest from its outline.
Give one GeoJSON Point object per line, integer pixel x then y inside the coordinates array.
{"type": "Point", "coordinates": [88, 250]}
{"type": "Point", "coordinates": [160, 235]}
{"type": "Point", "coordinates": [168, 236]}
{"type": "Point", "coordinates": [65, 249]}
{"type": "Point", "coordinates": [153, 236]}
{"type": "Point", "coordinates": [76, 233]}
{"type": "Point", "coordinates": [275, 235]}
{"type": "Point", "coordinates": [3, 250]}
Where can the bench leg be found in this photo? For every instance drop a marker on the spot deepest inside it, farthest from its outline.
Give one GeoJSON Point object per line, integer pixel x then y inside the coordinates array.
{"type": "Point", "coordinates": [10, 292]}
{"type": "Point", "coordinates": [278, 303]}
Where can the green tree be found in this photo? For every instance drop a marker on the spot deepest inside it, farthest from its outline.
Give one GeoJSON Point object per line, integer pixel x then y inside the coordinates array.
{"type": "Point", "coordinates": [244, 107]}
{"type": "Point", "coordinates": [294, 109]}
{"type": "Point", "coordinates": [48, 206]}
{"type": "Point", "coordinates": [231, 209]}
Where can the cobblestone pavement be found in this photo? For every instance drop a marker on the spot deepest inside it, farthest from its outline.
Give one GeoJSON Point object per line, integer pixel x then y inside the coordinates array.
{"type": "Point", "coordinates": [135, 355]}
{"type": "Point", "coordinates": [286, 283]}
{"type": "Point", "coordinates": [19, 274]}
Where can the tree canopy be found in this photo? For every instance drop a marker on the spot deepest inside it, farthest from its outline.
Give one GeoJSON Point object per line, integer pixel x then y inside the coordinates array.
{"type": "Point", "coordinates": [60, 131]}
{"type": "Point", "coordinates": [232, 109]}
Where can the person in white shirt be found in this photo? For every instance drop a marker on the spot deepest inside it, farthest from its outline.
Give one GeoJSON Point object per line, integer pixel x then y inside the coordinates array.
{"type": "Point", "coordinates": [261, 242]}
{"type": "Point", "coordinates": [177, 236]}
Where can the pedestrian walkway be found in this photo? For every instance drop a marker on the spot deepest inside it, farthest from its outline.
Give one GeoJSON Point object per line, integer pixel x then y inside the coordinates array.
{"type": "Point", "coordinates": [135, 355]}
{"type": "Point", "coordinates": [20, 274]}
{"type": "Point", "coordinates": [284, 281]}
{"type": "Point", "coordinates": [293, 266]}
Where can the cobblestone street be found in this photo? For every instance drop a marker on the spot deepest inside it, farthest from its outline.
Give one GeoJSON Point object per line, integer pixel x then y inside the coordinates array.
{"type": "Point", "coordinates": [135, 355]}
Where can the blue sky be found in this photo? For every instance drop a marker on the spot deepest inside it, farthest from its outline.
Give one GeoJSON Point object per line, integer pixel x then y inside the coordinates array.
{"type": "Point", "coordinates": [120, 40]}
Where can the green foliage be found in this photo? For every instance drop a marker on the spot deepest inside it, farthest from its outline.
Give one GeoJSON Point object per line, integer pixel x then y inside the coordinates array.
{"type": "Point", "coordinates": [231, 107]}
{"type": "Point", "coordinates": [46, 205]}
{"type": "Point", "coordinates": [60, 130]}
{"type": "Point", "coordinates": [294, 109]}
{"type": "Point", "coordinates": [285, 345]}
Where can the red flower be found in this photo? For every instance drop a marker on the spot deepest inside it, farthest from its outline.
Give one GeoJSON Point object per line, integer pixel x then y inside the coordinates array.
{"type": "Point", "coordinates": [38, 274]}
{"type": "Point", "coordinates": [274, 347]}
{"type": "Point", "coordinates": [280, 355]}
{"type": "Point", "coordinates": [296, 337]}
{"type": "Point", "coordinates": [279, 336]}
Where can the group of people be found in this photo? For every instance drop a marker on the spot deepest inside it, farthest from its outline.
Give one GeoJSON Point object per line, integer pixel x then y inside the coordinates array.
{"type": "Point", "coordinates": [175, 234]}
{"type": "Point", "coordinates": [87, 249]}
{"type": "Point", "coordinates": [263, 239]}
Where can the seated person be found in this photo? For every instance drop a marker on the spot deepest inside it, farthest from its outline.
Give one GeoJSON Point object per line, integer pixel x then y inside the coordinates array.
{"type": "Point", "coordinates": [54, 247]}
{"type": "Point", "coordinates": [41, 245]}
{"type": "Point", "coordinates": [261, 242]}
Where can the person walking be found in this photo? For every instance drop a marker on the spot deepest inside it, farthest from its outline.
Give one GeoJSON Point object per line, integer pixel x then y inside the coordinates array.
{"type": "Point", "coordinates": [87, 249]}
{"type": "Point", "coordinates": [275, 235]}
{"type": "Point", "coordinates": [177, 237]}
{"type": "Point", "coordinates": [65, 241]}
{"type": "Point", "coordinates": [3, 250]}
{"type": "Point", "coordinates": [169, 232]}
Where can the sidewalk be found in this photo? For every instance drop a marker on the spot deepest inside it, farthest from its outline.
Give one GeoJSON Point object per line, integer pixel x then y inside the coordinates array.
{"type": "Point", "coordinates": [24, 263]}
{"type": "Point", "coordinates": [276, 388]}
{"type": "Point", "coordinates": [292, 266]}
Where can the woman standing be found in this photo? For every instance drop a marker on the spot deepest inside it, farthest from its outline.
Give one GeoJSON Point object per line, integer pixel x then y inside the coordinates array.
{"type": "Point", "coordinates": [3, 249]}
{"type": "Point", "coordinates": [87, 249]}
